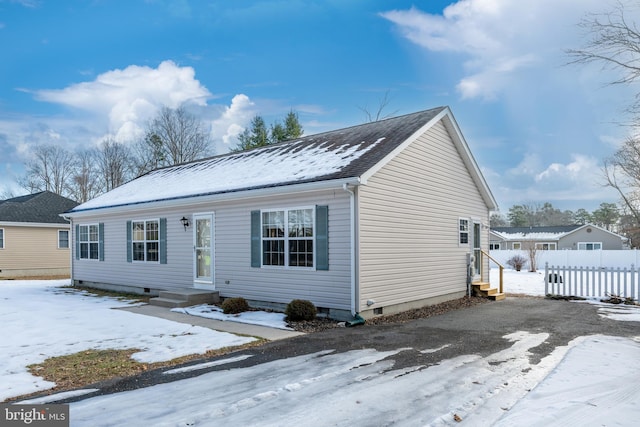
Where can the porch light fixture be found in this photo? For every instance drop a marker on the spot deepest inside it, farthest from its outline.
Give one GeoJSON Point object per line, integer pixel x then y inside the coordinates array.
{"type": "Point", "coordinates": [185, 222]}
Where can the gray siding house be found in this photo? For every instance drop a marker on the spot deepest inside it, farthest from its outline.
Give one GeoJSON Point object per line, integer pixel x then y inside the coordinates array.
{"type": "Point", "coordinates": [565, 237]}
{"type": "Point", "coordinates": [371, 219]}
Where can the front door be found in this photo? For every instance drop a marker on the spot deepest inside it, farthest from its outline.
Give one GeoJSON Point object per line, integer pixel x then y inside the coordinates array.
{"type": "Point", "coordinates": [203, 251]}
{"type": "Point", "coordinates": [477, 260]}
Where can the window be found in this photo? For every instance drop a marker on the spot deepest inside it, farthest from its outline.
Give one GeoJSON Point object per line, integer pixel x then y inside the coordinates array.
{"type": "Point", "coordinates": [516, 246]}
{"type": "Point", "coordinates": [463, 229]}
{"type": "Point", "coordinates": [288, 237]}
{"type": "Point", "coordinates": [494, 246]}
{"type": "Point", "coordinates": [1, 238]}
{"type": "Point", "coordinates": [589, 246]}
{"type": "Point", "coordinates": [88, 241]}
{"type": "Point", "coordinates": [546, 246]}
{"type": "Point", "coordinates": [63, 239]}
{"type": "Point", "coordinates": [145, 240]}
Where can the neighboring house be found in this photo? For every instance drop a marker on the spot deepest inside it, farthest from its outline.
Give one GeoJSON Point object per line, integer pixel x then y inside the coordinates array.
{"type": "Point", "coordinates": [371, 219]}
{"type": "Point", "coordinates": [34, 239]}
{"type": "Point", "coordinates": [576, 237]}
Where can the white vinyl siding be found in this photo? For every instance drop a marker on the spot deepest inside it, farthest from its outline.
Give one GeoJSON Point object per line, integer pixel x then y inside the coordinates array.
{"type": "Point", "coordinates": [234, 275]}
{"type": "Point", "coordinates": [410, 230]}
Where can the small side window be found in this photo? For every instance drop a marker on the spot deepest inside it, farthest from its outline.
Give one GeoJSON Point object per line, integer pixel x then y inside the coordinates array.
{"type": "Point", "coordinates": [63, 239]}
{"type": "Point", "coordinates": [463, 230]}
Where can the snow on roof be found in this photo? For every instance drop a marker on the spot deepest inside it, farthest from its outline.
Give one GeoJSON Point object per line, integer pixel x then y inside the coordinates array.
{"type": "Point", "coordinates": [289, 163]}
{"type": "Point", "coordinates": [534, 233]}
{"type": "Point", "coordinates": [335, 155]}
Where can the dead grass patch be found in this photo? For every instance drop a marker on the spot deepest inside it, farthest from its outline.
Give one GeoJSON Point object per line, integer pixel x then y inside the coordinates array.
{"type": "Point", "coordinates": [88, 367]}
{"type": "Point", "coordinates": [135, 298]}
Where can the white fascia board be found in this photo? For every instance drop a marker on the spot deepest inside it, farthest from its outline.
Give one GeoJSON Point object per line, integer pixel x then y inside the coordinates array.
{"type": "Point", "coordinates": [33, 224]}
{"type": "Point", "coordinates": [193, 201]}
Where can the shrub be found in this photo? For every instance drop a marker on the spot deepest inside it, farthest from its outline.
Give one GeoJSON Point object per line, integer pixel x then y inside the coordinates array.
{"type": "Point", "coordinates": [235, 305]}
{"type": "Point", "coordinates": [517, 262]}
{"type": "Point", "coordinates": [299, 309]}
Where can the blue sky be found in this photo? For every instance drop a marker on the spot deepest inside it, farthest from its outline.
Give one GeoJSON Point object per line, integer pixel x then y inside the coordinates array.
{"type": "Point", "coordinates": [75, 72]}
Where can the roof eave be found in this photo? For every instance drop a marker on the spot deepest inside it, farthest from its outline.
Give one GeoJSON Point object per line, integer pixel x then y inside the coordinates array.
{"type": "Point", "coordinates": [199, 199]}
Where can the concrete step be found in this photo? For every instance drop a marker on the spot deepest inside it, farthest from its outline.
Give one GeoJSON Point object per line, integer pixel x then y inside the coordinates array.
{"type": "Point", "coordinates": [185, 298]}
{"type": "Point", "coordinates": [168, 302]}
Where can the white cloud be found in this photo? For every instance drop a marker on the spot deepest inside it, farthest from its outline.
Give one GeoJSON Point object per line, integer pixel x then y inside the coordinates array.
{"type": "Point", "coordinates": [128, 98]}
{"type": "Point", "coordinates": [581, 169]}
{"type": "Point", "coordinates": [234, 119]}
{"type": "Point", "coordinates": [500, 37]}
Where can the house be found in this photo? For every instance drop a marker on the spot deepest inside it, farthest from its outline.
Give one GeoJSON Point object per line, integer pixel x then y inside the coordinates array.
{"type": "Point", "coordinates": [371, 219]}
{"type": "Point", "coordinates": [577, 237]}
{"type": "Point", "coordinates": [34, 239]}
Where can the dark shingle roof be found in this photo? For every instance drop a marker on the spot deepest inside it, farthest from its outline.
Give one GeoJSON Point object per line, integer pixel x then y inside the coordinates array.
{"type": "Point", "coordinates": [337, 156]}
{"type": "Point", "coordinates": [43, 207]}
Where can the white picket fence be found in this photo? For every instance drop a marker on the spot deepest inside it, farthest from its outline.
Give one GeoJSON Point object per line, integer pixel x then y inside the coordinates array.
{"type": "Point", "coordinates": [603, 258]}
{"type": "Point", "coordinates": [597, 282]}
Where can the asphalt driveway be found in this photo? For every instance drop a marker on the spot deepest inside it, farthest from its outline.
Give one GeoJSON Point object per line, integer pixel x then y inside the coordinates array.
{"type": "Point", "coordinates": [475, 330]}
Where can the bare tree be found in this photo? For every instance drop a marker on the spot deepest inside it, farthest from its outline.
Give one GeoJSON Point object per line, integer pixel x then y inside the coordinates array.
{"type": "Point", "coordinates": [85, 184]}
{"type": "Point", "coordinates": [614, 43]}
{"type": "Point", "coordinates": [174, 136]}
{"type": "Point", "coordinates": [114, 164]}
{"type": "Point", "coordinates": [531, 247]}
{"type": "Point", "coordinates": [379, 113]}
{"type": "Point", "coordinates": [51, 170]}
{"type": "Point", "coordinates": [622, 173]}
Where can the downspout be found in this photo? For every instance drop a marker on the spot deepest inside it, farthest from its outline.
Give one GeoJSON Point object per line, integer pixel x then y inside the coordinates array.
{"type": "Point", "coordinates": [358, 320]}
{"type": "Point", "coordinates": [72, 238]}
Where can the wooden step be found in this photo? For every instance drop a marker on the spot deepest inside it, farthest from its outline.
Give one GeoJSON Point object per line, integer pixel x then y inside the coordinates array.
{"type": "Point", "coordinates": [485, 290]}
{"type": "Point", "coordinates": [499, 296]}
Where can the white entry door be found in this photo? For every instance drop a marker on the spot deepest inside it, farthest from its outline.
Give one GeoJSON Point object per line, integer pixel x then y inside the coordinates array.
{"type": "Point", "coordinates": [203, 245]}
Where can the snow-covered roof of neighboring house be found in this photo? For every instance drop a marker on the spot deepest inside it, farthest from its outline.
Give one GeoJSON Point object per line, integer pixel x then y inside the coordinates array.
{"type": "Point", "coordinates": [44, 207]}
{"type": "Point", "coordinates": [551, 233]}
{"type": "Point", "coordinates": [342, 154]}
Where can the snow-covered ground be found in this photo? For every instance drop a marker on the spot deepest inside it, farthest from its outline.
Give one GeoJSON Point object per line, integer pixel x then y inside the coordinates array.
{"type": "Point", "coordinates": [591, 381]}
{"type": "Point", "coordinates": [42, 319]}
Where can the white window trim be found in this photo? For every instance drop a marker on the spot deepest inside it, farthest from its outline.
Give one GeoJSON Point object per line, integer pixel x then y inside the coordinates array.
{"type": "Point", "coordinates": [69, 240]}
{"type": "Point", "coordinates": [286, 238]}
{"type": "Point", "coordinates": [467, 232]}
{"type": "Point", "coordinates": [514, 244]}
{"type": "Point", "coordinates": [492, 246]}
{"type": "Point", "coordinates": [4, 239]}
{"type": "Point", "coordinates": [88, 242]}
{"type": "Point", "coordinates": [133, 241]}
{"type": "Point", "coordinates": [589, 243]}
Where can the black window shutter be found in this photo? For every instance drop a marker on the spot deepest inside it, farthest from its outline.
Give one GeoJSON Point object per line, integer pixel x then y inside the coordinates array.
{"type": "Point", "coordinates": [101, 241]}
{"type": "Point", "coordinates": [77, 238]}
{"type": "Point", "coordinates": [163, 240]}
{"type": "Point", "coordinates": [129, 243]}
{"type": "Point", "coordinates": [256, 250]}
{"type": "Point", "coordinates": [322, 237]}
